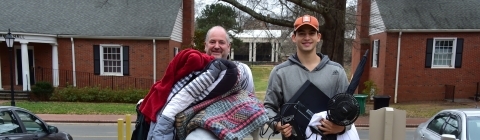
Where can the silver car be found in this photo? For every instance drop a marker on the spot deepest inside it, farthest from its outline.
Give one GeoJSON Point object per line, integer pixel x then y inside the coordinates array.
{"type": "Point", "coordinates": [20, 124]}
{"type": "Point", "coordinates": [459, 124]}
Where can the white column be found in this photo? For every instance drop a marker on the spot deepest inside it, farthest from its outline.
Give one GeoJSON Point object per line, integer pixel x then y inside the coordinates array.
{"type": "Point", "coordinates": [273, 51]}
{"type": "Point", "coordinates": [250, 51]}
{"type": "Point", "coordinates": [1, 72]}
{"type": "Point", "coordinates": [25, 67]}
{"type": "Point", "coordinates": [254, 51]}
{"type": "Point", "coordinates": [74, 74]}
{"type": "Point", "coordinates": [154, 61]}
{"type": "Point", "coordinates": [277, 45]}
{"type": "Point", "coordinates": [232, 53]}
{"type": "Point", "coordinates": [55, 76]}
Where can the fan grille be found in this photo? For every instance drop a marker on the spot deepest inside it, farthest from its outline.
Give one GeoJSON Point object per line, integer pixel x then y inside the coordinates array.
{"type": "Point", "coordinates": [343, 109]}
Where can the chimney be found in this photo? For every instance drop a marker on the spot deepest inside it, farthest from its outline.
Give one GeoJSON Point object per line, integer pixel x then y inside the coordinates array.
{"type": "Point", "coordinates": [362, 41]}
{"type": "Point", "coordinates": [188, 20]}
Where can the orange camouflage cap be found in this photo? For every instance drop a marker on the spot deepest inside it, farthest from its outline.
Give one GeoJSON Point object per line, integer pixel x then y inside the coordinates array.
{"type": "Point", "coordinates": [306, 20]}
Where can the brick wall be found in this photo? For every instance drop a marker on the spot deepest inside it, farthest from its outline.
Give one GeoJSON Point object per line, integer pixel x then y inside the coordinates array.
{"type": "Point", "coordinates": [417, 83]}
{"type": "Point", "coordinates": [5, 66]}
{"type": "Point", "coordinates": [167, 52]}
{"type": "Point", "coordinates": [377, 74]}
{"type": "Point", "coordinates": [140, 53]}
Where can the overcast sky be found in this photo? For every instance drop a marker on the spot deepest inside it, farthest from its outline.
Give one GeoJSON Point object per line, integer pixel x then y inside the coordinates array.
{"type": "Point", "coordinates": [202, 3]}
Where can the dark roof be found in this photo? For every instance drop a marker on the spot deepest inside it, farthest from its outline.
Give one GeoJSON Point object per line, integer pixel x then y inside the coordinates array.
{"type": "Point", "coordinates": [153, 18]}
{"type": "Point", "coordinates": [430, 14]}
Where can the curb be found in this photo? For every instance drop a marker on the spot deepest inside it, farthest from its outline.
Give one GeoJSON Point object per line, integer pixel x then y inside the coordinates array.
{"type": "Point", "coordinates": [82, 121]}
{"type": "Point", "coordinates": [408, 125]}
{"type": "Point", "coordinates": [104, 121]}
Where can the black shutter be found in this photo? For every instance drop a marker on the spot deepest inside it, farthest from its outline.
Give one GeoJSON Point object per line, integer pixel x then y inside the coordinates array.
{"type": "Point", "coordinates": [96, 59]}
{"type": "Point", "coordinates": [428, 55]}
{"type": "Point", "coordinates": [458, 54]}
{"type": "Point", "coordinates": [126, 65]}
{"type": "Point", "coordinates": [378, 53]}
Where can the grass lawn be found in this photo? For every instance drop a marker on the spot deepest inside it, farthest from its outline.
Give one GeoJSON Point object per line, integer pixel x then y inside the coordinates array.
{"type": "Point", "coordinates": [260, 79]}
{"type": "Point", "coordinates": [75, 107]}
{"type": "Point", "coordinates": [424, 109]}
{"type": "Point", "coordinates": [428, 109]}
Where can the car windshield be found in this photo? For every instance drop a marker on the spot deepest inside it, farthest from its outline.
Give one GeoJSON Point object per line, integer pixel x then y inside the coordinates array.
{"type": "Point", "coordinates": [473, 127]}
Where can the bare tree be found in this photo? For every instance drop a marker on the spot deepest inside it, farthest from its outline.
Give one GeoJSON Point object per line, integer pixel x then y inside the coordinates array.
{"type": "Point", "coordinates": [350, 24]}
{"type": "Point", "coordinates": [284, 12]}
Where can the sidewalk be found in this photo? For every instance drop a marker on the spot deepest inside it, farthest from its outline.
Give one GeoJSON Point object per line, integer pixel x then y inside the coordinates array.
{"type": "Point", "coordinates": [362, 121]}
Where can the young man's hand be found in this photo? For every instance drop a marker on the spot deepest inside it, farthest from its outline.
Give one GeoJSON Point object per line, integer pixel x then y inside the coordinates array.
{"type": "Point", "coordinates": [286, 129]}
{"type": "Point", "coordinates": [330, 128]}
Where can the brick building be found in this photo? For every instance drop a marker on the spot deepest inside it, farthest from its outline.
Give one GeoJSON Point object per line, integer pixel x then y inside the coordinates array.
{"type": "Point", "coordinates": [416, 48]}
{"type": "Point", "coordinates": [113, 43]}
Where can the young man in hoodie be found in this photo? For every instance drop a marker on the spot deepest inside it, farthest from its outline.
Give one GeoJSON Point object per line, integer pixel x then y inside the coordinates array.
{"type": "Point", "coordinates": [286, 78]}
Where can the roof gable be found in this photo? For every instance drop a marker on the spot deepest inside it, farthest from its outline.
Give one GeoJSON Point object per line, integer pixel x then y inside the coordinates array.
{"type": "Point", "coordinates": [429, 14]}
{"type": "Point", "coordinates": [153, 18]}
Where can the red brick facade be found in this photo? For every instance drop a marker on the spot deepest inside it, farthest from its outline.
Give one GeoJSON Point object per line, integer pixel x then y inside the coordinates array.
{"type": "Point", "coordinates": [415, 81]}
{"type": "Point", "coordinates": [419, 83]}
{"type": "Point", "coordinates": [140, 53]}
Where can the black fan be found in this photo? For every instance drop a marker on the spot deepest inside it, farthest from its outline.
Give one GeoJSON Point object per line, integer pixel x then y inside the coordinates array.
{"type": "Point", "coordinates": [343, 109]}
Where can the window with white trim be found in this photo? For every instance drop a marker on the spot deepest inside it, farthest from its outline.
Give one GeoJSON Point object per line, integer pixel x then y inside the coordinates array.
{"type": "Point", "coordinates": [444, 52]}
{"type": "Point", "coordinates": [375, 53]}
{"type": "Point", "coordinates": [111, 60]}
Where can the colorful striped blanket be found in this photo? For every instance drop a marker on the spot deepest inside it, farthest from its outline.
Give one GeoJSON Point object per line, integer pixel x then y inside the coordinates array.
{"type": "Point", "coordinates": [233, 115]}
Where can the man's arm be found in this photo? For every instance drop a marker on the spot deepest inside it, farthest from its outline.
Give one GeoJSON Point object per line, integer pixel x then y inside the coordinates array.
{"type": "Point", "coordinates": [247, 82]}
{"type": "Point", "coordinates": [273, 97]}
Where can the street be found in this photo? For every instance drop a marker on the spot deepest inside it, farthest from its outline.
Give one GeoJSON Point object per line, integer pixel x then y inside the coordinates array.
{"type": "Point", "coordinates": [108, 131]}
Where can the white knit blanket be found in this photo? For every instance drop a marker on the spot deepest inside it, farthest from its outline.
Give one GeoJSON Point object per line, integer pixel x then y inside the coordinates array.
{"type": "Point", "coordinates": [351, 134]}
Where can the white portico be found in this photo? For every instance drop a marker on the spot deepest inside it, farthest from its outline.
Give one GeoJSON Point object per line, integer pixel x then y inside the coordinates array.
{"type": "Point", "coordinates": [258, 42]}
{"type": "Point", "coordinates": [24, 59]}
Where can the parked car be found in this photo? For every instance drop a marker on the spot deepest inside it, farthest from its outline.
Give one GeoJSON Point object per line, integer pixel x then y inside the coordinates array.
{"type": "Point", "coordinates": [459, 124]}
{"type": "Point", "coordinates": [20, 124]}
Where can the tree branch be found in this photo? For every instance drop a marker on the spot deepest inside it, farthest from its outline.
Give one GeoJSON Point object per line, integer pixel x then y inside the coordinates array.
{"type": "Point", "coordinates": [279, 22]}
{"type": "Point", "coordinates": [286, 5]}
{"type": "Point", "coordinates": [304, 4]}
{"type": "Point", "coordinates": [322, 2]}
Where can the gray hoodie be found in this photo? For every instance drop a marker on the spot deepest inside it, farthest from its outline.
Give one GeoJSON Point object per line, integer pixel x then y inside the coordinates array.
{"type": "Point", "coordinates": [286, 78]}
